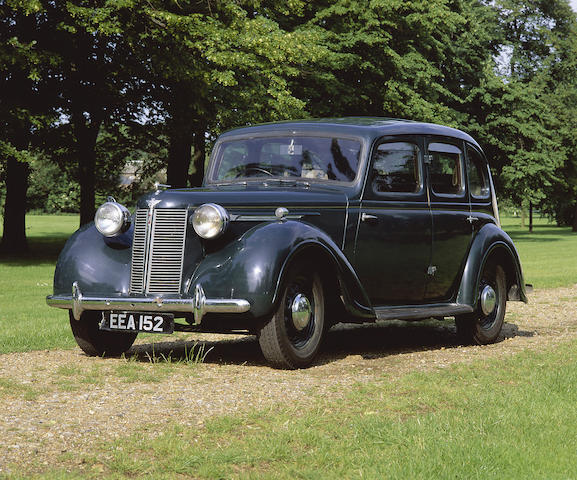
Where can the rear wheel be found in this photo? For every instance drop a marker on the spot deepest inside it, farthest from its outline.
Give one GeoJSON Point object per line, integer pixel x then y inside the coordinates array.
{"type": "Point", "coordinates": [96, 342]}
{"type": "Point", "coordinates": [484, 325]}
{"type": "Point", "coordinates": [292, 337]}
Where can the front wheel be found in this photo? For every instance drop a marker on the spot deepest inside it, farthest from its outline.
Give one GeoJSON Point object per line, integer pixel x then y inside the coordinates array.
{"type": "Point", "coordinates": [292, 337]}
{"type": "Point", "coordinates": [95, 342]}
{"type": "Point", "coordinates": [484, 325]}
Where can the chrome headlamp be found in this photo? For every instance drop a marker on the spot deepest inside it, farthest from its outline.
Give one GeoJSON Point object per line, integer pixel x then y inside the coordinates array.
{"type": "Point", "coordinates": [210, 220]}
{"type": "Point", "coordinates": [111, 218]}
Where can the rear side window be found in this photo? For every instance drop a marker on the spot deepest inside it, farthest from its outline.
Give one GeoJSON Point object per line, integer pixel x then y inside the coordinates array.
{"type": "Point", "coordinates": [396, 168]}
{"type": "Point", "coordinates": [446, 169]}
{"type": "Point", "coordinates": [477, 174]}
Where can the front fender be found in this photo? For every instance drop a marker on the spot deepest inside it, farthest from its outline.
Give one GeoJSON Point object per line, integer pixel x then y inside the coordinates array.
{"type": "Point", "coordinates": [491, 242]}
{"type": "Point", "coordinates": [99, 264]}
{"type": "Point", "coordinates": [253, 266]}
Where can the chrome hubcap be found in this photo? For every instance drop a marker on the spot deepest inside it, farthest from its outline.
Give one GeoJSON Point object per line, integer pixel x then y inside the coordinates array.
{"type": "Point", "coordinates": [488, 300]}
{"type": "Point", "coordinates": [301, 312]}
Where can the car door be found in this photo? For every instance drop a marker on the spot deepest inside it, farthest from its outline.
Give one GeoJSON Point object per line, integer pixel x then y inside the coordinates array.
{"type": "Point", "coordinates": [393, 244]}
{"type": "Point", "coordinates": [451, 217]}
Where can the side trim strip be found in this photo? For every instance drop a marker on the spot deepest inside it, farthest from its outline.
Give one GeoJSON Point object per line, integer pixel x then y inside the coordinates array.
{"type": "Point", "coordinates": [263, 218]}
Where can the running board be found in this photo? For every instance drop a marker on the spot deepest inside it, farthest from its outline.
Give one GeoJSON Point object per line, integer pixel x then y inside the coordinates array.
{"type": "Point", "coordinates": [421, 311]}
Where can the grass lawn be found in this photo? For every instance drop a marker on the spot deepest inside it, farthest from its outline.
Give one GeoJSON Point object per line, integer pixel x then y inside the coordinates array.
{"type": "Point", "coordinates": [513, 418]}
{"type": "Point", "coordinates": [27, 323]}
{"type": "Point", "coordinates": [508, 418]}
{"type": "Point", "coordinates": [548, 255]}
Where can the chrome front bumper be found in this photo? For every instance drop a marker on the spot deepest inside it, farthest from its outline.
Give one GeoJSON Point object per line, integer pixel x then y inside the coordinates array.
{"type": "Point", "coordinates": [198, 305]}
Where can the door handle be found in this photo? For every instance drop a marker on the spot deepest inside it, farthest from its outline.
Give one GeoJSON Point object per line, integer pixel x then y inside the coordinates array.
{"type": "Point", "coordinates": [472, 219]}
{"type": "Point", "coordinates": [365, 217]}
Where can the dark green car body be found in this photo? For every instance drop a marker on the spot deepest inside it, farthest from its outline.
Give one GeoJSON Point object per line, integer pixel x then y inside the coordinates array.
{"type": "Point", "coordinates": [385, 250]}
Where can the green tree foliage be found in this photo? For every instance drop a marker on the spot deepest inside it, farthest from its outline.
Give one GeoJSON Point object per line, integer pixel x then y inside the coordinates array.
{"type": "Point", "coordinates": [190, 64]}
{"type": "Point", "coordinates": [416, 60]}
{"type": "Point", "coordinates": [386, 58]}
{"type": "Point", "coordinates": [561, 98]}
{"type": "Point", "coordinates": [562, 201]}
{"type": "Point", "coordinates": [23, 113]}
{"type": "Point", "coordinates": [130, 158]}
{"type": "Point", "coordinates": [51, 189]}
{"type": "Point", "coordinates": [150, 83]}
{"type": "Point", "coordinates": [211, 66]}
{"type": "Point", "coordinates": [76, 76]}
{"type": "Point", "coordinates": [527, 127]}
{"type": "Point", "coordinates": [529, 144]}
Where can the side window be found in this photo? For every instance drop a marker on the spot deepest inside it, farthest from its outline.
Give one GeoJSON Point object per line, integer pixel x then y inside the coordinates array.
{"type": "Point", "coordinates": [477, 174]}
{"type": "Point", "coordinates": [396, 168]}
{"type": "Point", "coordinates": [446, 169]}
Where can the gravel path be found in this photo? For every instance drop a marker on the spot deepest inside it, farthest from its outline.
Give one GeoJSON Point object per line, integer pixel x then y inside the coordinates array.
{"type": "Point", "coordinates": [52, 402]}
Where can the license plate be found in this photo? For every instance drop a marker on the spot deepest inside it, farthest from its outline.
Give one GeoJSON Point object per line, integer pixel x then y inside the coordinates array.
{"type": "Point", "coordinates": [137, 322]}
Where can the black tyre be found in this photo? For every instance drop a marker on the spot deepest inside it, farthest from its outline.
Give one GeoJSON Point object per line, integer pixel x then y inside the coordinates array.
{"type": "Point", "coordinates": [292, 337]}
{"type": "Point", "coordinates": [95, 342]}
{"type": "Point", "coordinates": [484, 325]}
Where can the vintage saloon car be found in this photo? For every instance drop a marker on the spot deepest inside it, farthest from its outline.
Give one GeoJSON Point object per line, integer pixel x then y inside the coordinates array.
{"type": "Point", "coordinates": [300, 225]}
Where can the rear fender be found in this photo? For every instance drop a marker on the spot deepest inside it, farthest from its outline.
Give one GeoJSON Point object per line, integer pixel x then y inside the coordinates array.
{"type": "Point", "coordinates": [253, 267]}
{"type": "Point", "coordinates": [491, 244]}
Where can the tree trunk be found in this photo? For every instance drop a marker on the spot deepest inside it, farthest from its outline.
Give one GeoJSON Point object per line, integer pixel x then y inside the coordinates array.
{"type": "Point", "coordinates": [86, 133]}
{"type": "Point", "coordinates": [179, 156]}
{"type": "Point", "coordinates": [86, 174]}
{"type": "Point", "coordinates": [199, 157]}
{"type": "Point", "coordinates": [20, 97]}
{"type": "Point", "coordinates": [530, 217]}
{"type": "Point", "coordinates": [14, 236]}
{"type": "Point", "coordinates": [181, 129]}
{"type": "Point", "coordinates": [575, 219]}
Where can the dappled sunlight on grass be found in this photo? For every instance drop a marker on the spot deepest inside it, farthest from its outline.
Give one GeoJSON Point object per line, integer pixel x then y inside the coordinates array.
{"type": "Point", "coordinates": [46, 236]}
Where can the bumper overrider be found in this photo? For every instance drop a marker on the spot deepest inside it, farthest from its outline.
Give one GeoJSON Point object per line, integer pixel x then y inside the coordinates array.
{"type": "Point", "coordinates": [198, 305]}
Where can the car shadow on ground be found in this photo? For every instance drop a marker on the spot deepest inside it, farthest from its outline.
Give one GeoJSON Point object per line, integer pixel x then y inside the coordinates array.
{"type": "Point", "coordinates": [370, 341]}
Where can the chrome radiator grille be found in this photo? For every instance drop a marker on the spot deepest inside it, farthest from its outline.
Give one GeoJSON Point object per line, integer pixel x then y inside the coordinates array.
{"type": "Point", "coordinates": [138, 266]}
{"type": "Point", "coordinates": [158, 251]}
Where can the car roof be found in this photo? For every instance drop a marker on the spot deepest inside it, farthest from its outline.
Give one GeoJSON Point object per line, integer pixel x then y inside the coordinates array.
{"type": "Point", "coordinates": [368, 127]}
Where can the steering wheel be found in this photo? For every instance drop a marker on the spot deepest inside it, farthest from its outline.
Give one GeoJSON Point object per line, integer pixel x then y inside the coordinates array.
{"type": "Point", "coordinates": [258, 169]}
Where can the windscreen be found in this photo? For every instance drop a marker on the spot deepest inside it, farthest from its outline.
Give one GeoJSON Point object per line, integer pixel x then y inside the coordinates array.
{"type": "Point", "coordinates": [295, 157]}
